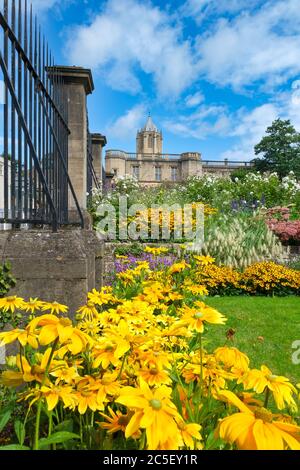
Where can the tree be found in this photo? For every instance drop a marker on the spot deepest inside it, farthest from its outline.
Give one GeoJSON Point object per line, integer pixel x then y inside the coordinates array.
{"type": "Point", "coordinates": [280, 149]}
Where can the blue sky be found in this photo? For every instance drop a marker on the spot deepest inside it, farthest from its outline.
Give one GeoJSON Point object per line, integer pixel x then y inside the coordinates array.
{"type": "Point", "coordinates": [213, 73]}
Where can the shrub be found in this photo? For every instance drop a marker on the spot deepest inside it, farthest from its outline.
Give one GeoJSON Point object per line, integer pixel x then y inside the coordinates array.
{"type": "Point", "coordinates": [219, 280]}
{"type": "Point", "coordinates": [7, 281]}
{"type": "Point", "coordinates": [269, 278]}
{"type": "Point", "coordinates": [285, 223]}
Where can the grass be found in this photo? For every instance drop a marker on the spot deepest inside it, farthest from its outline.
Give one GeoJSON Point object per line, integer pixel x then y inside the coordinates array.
{"type": "Point", "coordinates": [265, 328]}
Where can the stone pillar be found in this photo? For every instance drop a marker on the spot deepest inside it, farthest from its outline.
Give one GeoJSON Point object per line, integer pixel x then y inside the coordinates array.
{"type": "Point", "coordinates": [60, 266]}
{"type": "Point", "coordinates": [77, 83]}
{"type": "Point", "coordinates": [98, 142]}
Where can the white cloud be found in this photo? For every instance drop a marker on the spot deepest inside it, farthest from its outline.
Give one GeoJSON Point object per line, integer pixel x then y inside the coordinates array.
{"type": "Point", "coordinates": [250, 129]}
{"type": "Point", "coordinates": [204, 122]}
{"type": "Point", "coordinates": [201, 9]}
{"type": "Point", "coordinates": [131, 36]}
{"type": "Point", "coordinates": [126, 126]}
{"type": "Point", "coordinates": [263, 45]}
{"type": "Point", "coordinates": [194, 100]}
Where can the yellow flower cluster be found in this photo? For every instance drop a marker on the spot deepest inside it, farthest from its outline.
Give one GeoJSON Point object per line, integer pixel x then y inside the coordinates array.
{"type": "Point", "coordinates": [265, 277]}
{"type": "Point", "coordinates": [173, 219]}
{"type": "Point", "coordinates": [134, 367]}
{"type": "Point", "coordinates": [269, 276]}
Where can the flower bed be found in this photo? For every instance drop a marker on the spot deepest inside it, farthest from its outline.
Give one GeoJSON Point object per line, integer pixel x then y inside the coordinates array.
{"type": "Point", "coordinates": [133, 372]}
{"type": "Point", "coordinates": [262, 278]}
{"type": "Point", "coordinates": [284, 224]}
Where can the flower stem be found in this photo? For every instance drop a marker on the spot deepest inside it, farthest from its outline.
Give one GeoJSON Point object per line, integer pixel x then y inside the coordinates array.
{"type": "Point", "coordinates": [266, 397]}
{"type": "Point", "coordinates": [39, 410]}
{"type": "Point", "coordinates": [37, 425]}
{"type": "Point", "coordinates": [201, 362]}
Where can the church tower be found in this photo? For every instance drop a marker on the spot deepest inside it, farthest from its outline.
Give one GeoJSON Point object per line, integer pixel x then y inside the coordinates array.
{"type": "Point", "coordinates": [149, 140]}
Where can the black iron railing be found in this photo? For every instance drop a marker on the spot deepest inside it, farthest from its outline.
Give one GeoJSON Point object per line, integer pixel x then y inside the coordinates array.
{"type": "Point", "coordinates": [34, 133]}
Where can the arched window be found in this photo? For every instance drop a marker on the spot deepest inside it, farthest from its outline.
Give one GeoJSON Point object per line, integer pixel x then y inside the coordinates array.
{"type": "Point", "coordinates": [150, 141]}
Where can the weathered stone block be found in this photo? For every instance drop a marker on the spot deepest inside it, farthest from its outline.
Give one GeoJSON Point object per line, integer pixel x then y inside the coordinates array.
{"type": "Point", "coordinates": [53, 266]}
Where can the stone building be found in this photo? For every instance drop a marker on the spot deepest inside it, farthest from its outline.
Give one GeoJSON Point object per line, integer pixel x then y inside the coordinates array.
{"type": "Point", "coordinates": [151, 166]}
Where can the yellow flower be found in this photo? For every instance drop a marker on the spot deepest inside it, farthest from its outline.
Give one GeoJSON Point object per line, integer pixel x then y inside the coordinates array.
{"type": "Point", "coordinates": [53, 328]}
{"type": "Point", "coordinates": [204, 260]}
{"type": "Point", "coordinates": [195, 317]}
{"type": "Point", "coordinates": [11, 378]}
{"type": "Point", "coordinates": [64, 374]}
{"type": "Point", "coordinates": [232, 357]}
{"type": "Point", "coordinates": [55, 307]}
{"type": "Point", "coordinates": [23, 336]}
{"type": "Point", "coordinates": [117, 421]}
{"type": "Point", "coordinates": [281, 388]}
{"type": "Point", "coordinates": [256, 429]}
{"type": "Point", "coordinates": [178, 267]}
{"type": "Point", "coordinates": [197, 290]}
{"type": "Point", "coordinates": [189, 432]}
{"type": "Point", "coordinates": [107, 385]}
{"type": "Point", "coordinates": [174, 296]}
{"type": "Point", "coordinates": [11, 303]}
{"type": "Point", "coordinates": [90, 327]}
{"type": "Point", "coordinates": [156, 251]}
{"type": "Point", "coordinates": [87, 395]}
{"type": "Point", "coordinates": [121, 257]}
{"type": "Point", "coordinates": [54, 393]}
{"type": "Point", "coordinates": [106, 352]}
{"type": "Point", "coordinates": [154, 376]}
{"type": "Point", "coordinates": [153, 411]}
{"type": "Point", "coordinates": [101, 297]}
{"type": "Point", "coordinates": [33, 305]}
{"type": "Point", "coordinates": [88, 310]}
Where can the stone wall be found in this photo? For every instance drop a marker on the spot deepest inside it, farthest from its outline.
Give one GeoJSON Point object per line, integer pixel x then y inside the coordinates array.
{"type": "Point", "coordinates": [60, 267]}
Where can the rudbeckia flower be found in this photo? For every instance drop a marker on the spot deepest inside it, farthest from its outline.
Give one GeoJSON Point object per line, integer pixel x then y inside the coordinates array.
{"type": "Point", "coordinates": [11, 303]}
{"type": "Point", "coordinates": [279, 386]}
{"type": "Point", "coordinates": [189, 432]}
{"type": "Point", "coordinates": [23, 336]}
{"type": "Point", "coordinates": [55, 307]}
{"type": "Point", "coordinates": [117, 421]}
{"type": "Point", "coordinates": [54, 393]}
{"type": "Point", "coordinates": [232, 357]}
{"type": "Point", "coordinates": [153, 411]}
{"type": "Point", "coordinates": [154, 376]}
{"type": "Point", "coordinates": [196, 317]}
{"type": "Point", "coordinates": [53, 328]}
{"type": "Point", "coordinates": [256, 429]}
{"type": "Point", "coordinates": [204, 260]}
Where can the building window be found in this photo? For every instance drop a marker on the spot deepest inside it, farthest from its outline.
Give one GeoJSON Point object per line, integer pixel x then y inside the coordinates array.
{"type": "Point", "coordinates": [157, 173]}
{"type": "Point", "coordinates": [150, 141]}
{"type": "Point", "coordinates": [115, 171]}
{"type": "Point", "coordinates": [136, 171]}
{"type": "Point", "coordinates": [174, 173]}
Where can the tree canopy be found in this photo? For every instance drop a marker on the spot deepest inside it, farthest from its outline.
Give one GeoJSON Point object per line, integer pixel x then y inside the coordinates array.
{"type": "Point", "coordinates": [279, 149]}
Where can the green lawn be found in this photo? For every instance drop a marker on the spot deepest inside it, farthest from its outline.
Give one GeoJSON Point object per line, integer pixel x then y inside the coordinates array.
{"type": "Point", "coordinates": [265, 329]}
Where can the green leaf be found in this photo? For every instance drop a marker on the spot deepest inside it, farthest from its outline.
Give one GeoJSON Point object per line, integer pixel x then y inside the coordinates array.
{"type": "Point", "coordinates": [4, 417]}
{"type": "Point", "coordinates": [57, 438]}
{"type": "Point", "coordinates": [66, 425]}
{"type": "Point", "coordinates": [20, 431]}
{"type": "Point", "coordinates": [14, 447]}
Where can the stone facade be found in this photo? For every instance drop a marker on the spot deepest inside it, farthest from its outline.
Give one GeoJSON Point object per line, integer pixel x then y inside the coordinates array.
{"type": "Point", "coordinates": [151, 166]}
